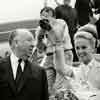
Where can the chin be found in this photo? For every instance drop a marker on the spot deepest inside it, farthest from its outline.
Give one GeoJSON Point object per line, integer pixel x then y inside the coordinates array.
{"type": "Point", "coordinates": [82, 60]}
{"type": "Point", "coordinates": [25, 57]}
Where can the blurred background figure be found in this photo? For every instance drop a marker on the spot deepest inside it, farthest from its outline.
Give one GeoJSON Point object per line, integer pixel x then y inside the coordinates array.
{"type": "Point", "coordinates": [66, 12]}
{"type": "Point", "coordinates": [95, 5]}
{"type": "Point", "coordinates": [84, 11]}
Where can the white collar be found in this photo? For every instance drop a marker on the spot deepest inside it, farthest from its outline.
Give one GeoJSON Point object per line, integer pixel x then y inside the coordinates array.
{"type": "Point", "coordinates": [14, 64]}
{"type": "Point", "coordinates": [14, 58]}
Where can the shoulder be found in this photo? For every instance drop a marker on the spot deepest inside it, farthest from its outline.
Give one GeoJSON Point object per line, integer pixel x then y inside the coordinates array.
{"type": "Point", "coordinates": [61, 21]}
{"type": "Point", "coordinates": [37, 69]}
{"type": "Point", "coordinates": [4, 60]}
{"type": "Point", "coordinates": [74, 11]}
{"type": "Point", "coordinates": [96, 64]}
{"type": "Point", "coordinates": [38, 72]}
{"type": "Point", "coordinates": [4, 63]}
{"type": "Point", "coordinates": [63, 24]}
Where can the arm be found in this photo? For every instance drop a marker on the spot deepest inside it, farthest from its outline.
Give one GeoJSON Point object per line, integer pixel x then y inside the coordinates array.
{"type": "Point", "coordinates": [59, 58]}
{"type": "Point", "coordinates": [60, 63]}
{"type": "Point", "coordinates": [62, 41]}
{"type": "Point", "coordinates": [67, 39]}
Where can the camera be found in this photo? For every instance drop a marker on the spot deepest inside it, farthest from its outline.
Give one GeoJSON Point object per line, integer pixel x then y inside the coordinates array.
{"type": "Point", "coordinates": [44, 24]}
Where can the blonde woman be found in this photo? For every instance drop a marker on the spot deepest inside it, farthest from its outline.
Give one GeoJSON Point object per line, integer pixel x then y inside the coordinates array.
{"type": "Point", "coordinates": [86, 82]}
{"type": "Point", "coordinates": [88, 73]}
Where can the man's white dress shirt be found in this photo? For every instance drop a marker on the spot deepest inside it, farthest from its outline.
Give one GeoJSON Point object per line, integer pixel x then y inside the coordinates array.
{"type": "Point", "coordinates": [14, 64]}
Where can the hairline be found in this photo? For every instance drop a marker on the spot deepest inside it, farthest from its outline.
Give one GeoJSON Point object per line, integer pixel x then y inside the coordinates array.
{"type": "Point", "coordinates": [15, 33]}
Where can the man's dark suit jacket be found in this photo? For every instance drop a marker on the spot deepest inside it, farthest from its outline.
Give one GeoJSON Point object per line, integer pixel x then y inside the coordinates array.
{"type": "Point", "coordinates": [83, 11]}
{"type": "Point", "coordinates": [68, 14]}
{"type": "Point", "coordinates": [33, 84]}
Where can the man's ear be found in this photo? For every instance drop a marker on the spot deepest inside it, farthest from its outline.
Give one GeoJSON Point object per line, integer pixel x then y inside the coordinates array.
{"type": "Point", "coordinates": [14, 44]}
{"type": "Point", "coordinates": [95, 50]}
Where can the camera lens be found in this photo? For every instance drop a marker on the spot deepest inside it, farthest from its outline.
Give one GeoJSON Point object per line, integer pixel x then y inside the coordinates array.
{"type": "Point", "coordinates": [44, 24]}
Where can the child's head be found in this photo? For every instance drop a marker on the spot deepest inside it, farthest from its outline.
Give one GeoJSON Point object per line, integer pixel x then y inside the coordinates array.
{"type": "Point", "coordinates": [85, 41]}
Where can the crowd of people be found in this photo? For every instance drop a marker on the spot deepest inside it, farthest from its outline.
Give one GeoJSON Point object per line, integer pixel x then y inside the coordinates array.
{"type": "Point", "coordinates": [60, 62]}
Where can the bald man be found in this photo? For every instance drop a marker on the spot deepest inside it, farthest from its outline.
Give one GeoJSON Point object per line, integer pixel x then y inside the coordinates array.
{"type": "Point", "coordinates": [19, 78]}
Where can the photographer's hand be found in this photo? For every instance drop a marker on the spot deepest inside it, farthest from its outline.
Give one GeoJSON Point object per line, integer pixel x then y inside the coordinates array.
{"type": "Point", "coordinates": [56, 35]}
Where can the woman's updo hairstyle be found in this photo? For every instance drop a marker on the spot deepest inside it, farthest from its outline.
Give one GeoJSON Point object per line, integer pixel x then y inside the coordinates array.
{"type": "Point", "coordinates": [88, 31]}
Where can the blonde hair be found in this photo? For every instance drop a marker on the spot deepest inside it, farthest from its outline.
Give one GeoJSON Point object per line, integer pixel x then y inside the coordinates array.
{"type": "Point", "coordinates": [87, 36]}
{"type": "Point", "coordinates": [88, 32]}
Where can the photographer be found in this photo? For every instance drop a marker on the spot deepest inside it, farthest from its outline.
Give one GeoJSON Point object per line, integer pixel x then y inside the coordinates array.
{"type": "Point", "coordinates": [49, 25]}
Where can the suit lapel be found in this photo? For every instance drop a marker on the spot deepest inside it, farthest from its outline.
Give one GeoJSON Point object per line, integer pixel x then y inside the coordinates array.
{"type": "Point", "coordinates": [10, 77]}
{"type": "Point", "coordinates": [27, 74]}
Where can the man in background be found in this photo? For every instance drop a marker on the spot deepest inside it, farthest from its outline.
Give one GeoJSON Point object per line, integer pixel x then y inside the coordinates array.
{"type": "Point", "coordinates": [84, 11]}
